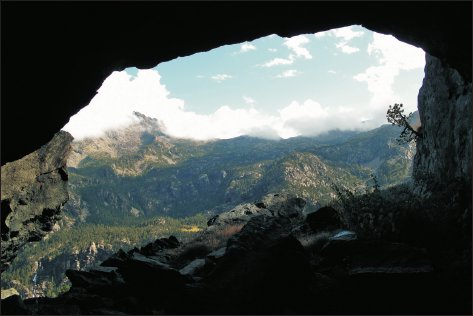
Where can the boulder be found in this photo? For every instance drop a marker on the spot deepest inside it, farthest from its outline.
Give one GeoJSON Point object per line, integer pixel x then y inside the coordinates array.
{"type": "Point", "coordinates": [217, 254]}
{"type": "Point", "coordinates": [283, 205]}
{"type": "Point", "coordinates": [280, 205]}
{"type": "Point", "coordinates": [325, 218]}
{"type": "Point", "coordinates": [241, 214]}
{"type": "Point", "coordinates": [116, 260]}
{"type": "Point", "coordinates": [193, 267]}
{"type": "Point", "coordinates": [159, 245]}
{"type": "Point", "coordinates": [260, 232]}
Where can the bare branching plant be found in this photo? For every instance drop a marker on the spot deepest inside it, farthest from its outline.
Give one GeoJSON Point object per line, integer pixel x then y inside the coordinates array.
{"type": "Point", "coordinates": [396, 116]}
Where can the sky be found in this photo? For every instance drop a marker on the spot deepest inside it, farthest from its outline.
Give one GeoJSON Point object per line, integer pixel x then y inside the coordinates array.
{"type": "Point", "coordinates": [271, 87]}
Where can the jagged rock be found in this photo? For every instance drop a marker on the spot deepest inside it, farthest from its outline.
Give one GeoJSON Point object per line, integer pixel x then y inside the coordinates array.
{"type": "Point", "coordinates": [192, 267]}
{"type": "Point", "coordinates": [101, 280]}
{"type": "Point", "coordinates": [33, 191]}
{"type": "Point", "coordinates": [281, 205]}
{"type": "Point", "coordinates": [325, 218]}
{"type": "Point", "coordinates": [258, 233]}
{"type": "Point", "coordinates": [116, 260]}
{"type": "Point", "coordinates": [141, 270]}
{"type": "Point", "coordinates": [238, 215]}
{"type": "Point", "coordinates": [217, 254]}
{"type": "Point", "coordinates": [444, 150]}
{"type": "Point", "coordinates": [160, 244]}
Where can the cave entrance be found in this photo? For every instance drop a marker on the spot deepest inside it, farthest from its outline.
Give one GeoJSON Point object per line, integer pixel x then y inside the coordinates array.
{"type": "Point", "coordinates": [234, 123]}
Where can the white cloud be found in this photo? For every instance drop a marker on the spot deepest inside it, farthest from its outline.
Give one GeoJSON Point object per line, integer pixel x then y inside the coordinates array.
{"type": "Point", "coordinates": [322, 34]}
{"type": "Point", "coordinates": [221, 77]}
{"type": "Point", "coordinates": [333, 72]}
{"type": "Point", "coordinates": [119, 96]}
{"type": "Point", "coordinates": [310, 118]}
{"type": "Point", "coordinates": [288, 73]}
{"type": "Point", "coordinates": [246, 47]}
{"type": "Point", "coordinates": [279, 61]}
{"type": "Point", "coordinates": [199, 76]}
{"type": "Point", "coordinates": [347, 49]}
{"type": "Point", "coordinates": [248, 100]}
{"type": "Point", "coordinates": [296, 43]}
{"type": "Point", "coordinates": [272, 50]}
{"type": "Point", "coordinates": [345, 34]}
{"type": "Point", "coordinates": [393, 56]}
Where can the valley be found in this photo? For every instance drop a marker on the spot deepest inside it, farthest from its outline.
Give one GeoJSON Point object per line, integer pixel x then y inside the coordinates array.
{"type": "Point", "coordinates": [136, 184]}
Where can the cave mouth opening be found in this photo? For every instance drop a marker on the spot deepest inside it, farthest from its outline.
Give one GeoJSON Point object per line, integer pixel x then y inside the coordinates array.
{"type": "Point", "coordinates": [287, 75]}
{"type": "Point", "coordinates": [271, 87]}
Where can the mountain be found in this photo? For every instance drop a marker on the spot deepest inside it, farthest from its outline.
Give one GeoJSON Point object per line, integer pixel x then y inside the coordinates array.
{"type": "Point", "coordinates": [139, 171]}
{"type": "Point", "coordinates": [134, 184]}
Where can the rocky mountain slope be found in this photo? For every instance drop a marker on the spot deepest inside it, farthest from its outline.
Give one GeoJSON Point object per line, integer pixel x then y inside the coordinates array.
{"type": "Point", "coordinates": [139, 171]}
{"type": "Point", "coordinates": [132, 177]}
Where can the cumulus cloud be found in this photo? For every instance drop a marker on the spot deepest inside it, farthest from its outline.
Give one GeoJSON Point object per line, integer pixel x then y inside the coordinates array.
{"type": "Point", "coordinates": [333, 72]}
{"type": "Point", "coordinates": [393, 57]}
{"type": "Point", "coordinates": [220, 77]}
{"type": "Point", "coordinates": [119, 96]}
{"type": "Point", "coordinates": [310, 118]}
{"type": "Point", "coordinates": [345, 35]}
{"type": "Point", "coordinates": [288, 73]}
{"type": "Point", "coordinates": [246, 47]}
{"type": "Point", "coordinates": [347, 49]}
{"type": "Point", "coordinates": [296, 44]}
{"type": "Point", "coordinates": [272, 50]}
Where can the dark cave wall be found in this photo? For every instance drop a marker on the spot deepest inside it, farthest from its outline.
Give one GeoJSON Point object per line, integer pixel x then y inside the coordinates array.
{"type": "Point", "coordinates": [56, 55]}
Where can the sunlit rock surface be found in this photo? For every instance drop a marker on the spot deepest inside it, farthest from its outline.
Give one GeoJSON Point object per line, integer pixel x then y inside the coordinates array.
{"type": "Point", "coordinates": [444, 150]}
{"type": "Point", "coordinates": [34, 189]}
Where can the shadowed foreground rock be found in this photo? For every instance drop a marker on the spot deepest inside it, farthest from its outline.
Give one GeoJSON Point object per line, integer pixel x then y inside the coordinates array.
{"type": "Point", "coordinates": [34, 189]}
{"type": "Point", "coordinates": [265, 267]}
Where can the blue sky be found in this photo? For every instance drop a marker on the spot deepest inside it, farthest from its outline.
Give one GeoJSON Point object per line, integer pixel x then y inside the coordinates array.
{"type": "Point", "coordinates": [271, 87]}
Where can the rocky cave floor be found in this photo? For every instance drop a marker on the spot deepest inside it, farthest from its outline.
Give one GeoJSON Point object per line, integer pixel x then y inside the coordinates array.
{"type": "Point", "coordinates": [270, 258]}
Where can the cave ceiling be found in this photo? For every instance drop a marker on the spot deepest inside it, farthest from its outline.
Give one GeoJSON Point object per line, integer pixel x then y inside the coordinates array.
{"type": "Point", "coordinates": [55, 55]}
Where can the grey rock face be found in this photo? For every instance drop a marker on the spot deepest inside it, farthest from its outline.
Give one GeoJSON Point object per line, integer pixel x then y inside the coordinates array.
{"type": "Point", "coordinates": [444, 102]}
{"type": "Point", "coordinates": [33, 191]}
{"type": "Point", "coordinates": [279, 205]}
